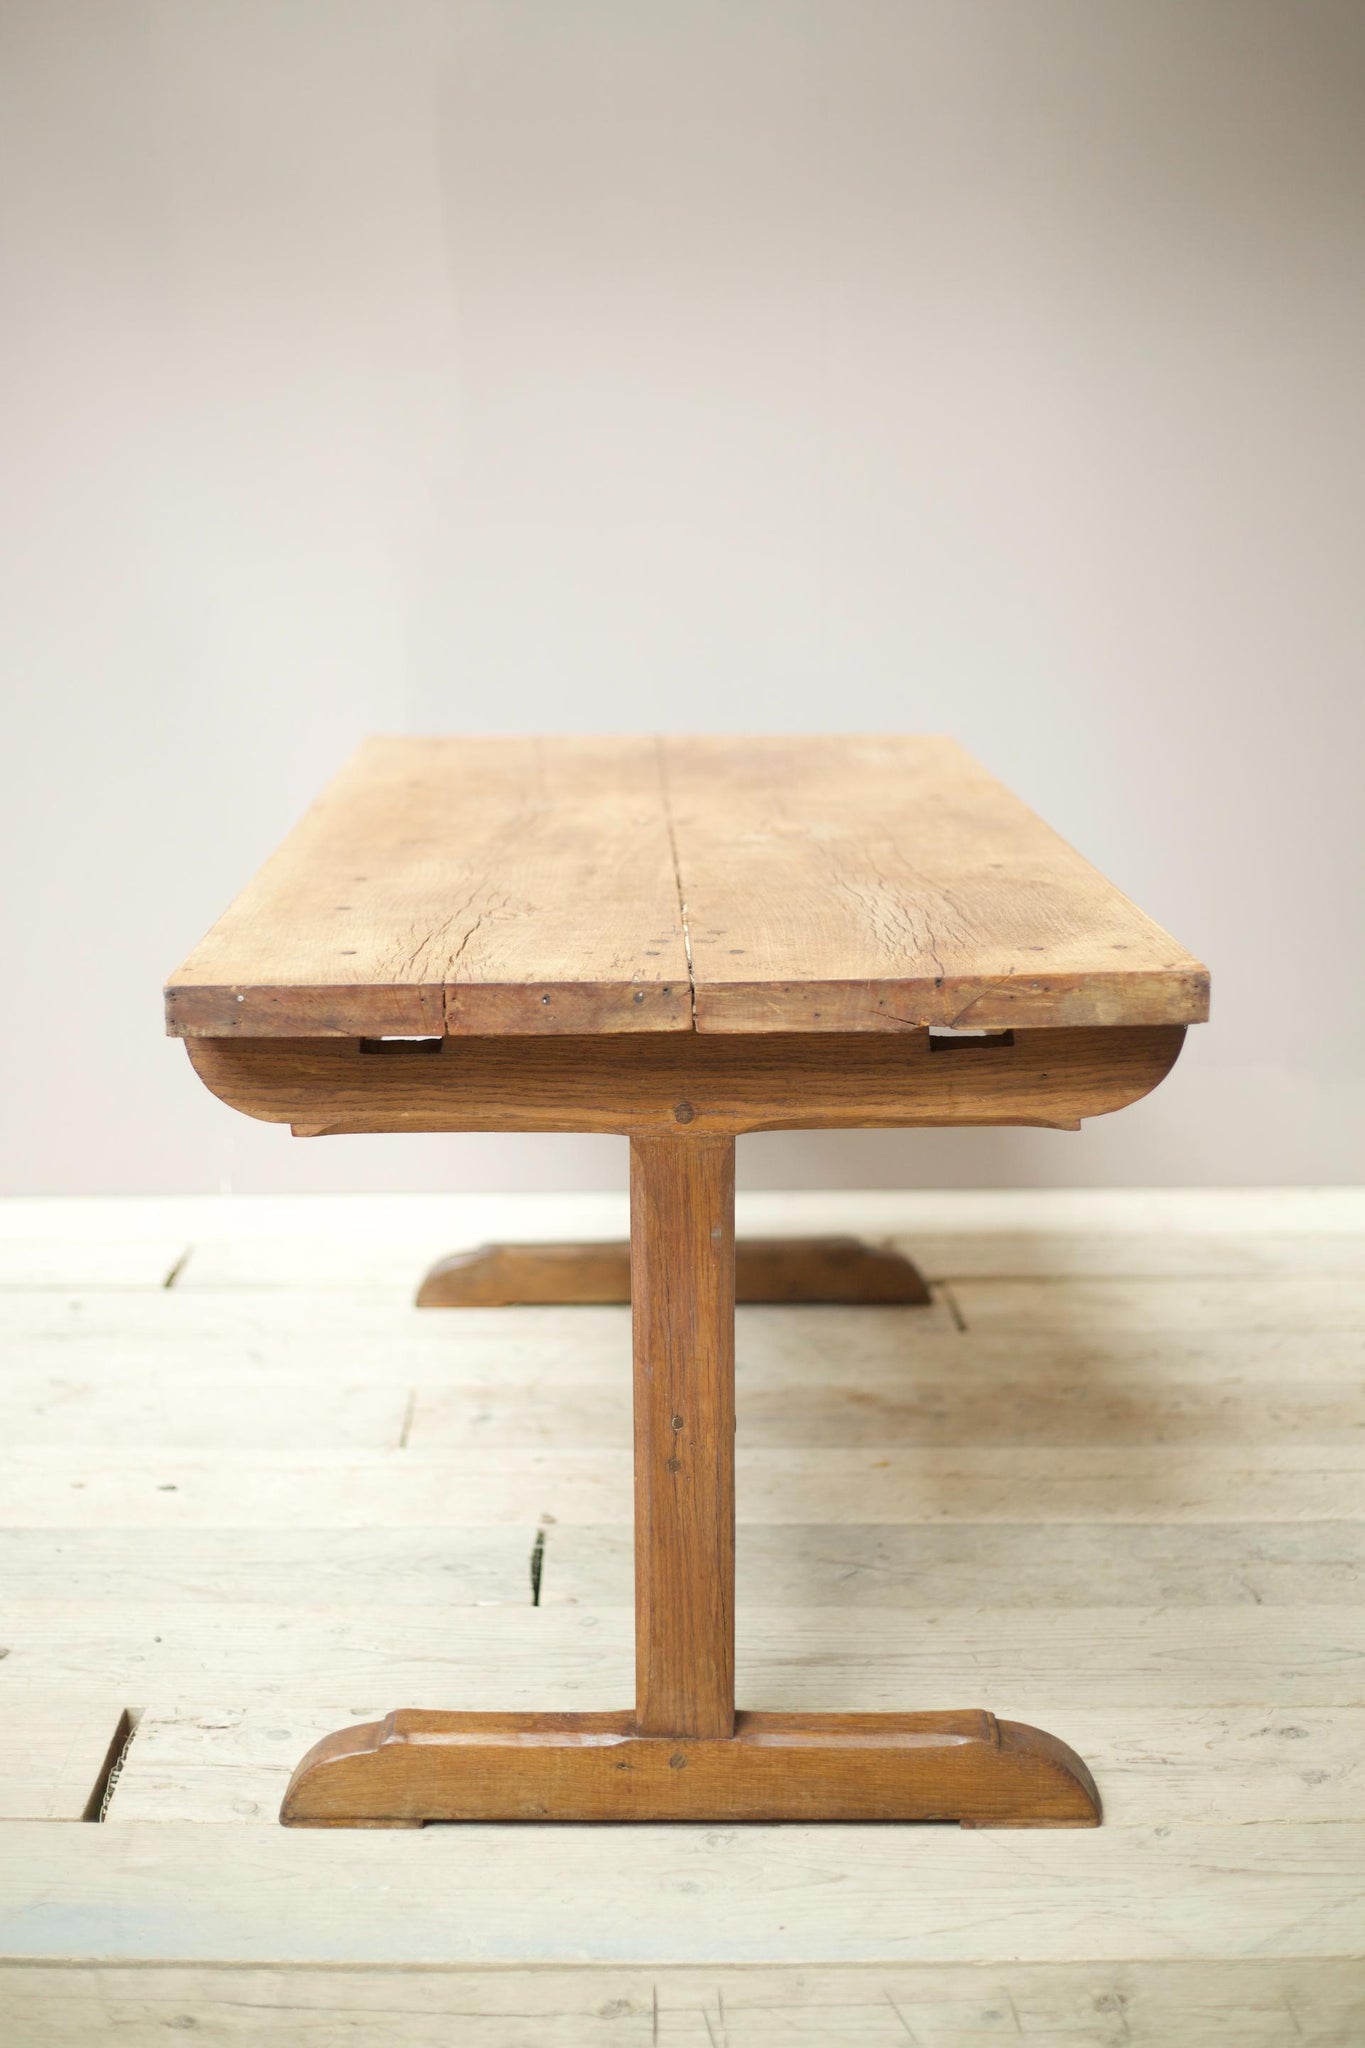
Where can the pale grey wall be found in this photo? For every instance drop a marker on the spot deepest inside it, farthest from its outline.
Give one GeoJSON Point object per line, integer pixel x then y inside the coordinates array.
{"type": "Point", "coordinates": [982, 365]}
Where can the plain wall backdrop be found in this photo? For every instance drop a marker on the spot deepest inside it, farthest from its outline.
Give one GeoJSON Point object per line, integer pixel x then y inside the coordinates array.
{"type": "Point", "coordinates": [984, 366]}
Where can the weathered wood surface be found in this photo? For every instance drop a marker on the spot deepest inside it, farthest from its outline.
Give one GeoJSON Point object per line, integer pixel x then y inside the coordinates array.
{"type": "Point", "coordinates": [665, 1085]}
{"type": "Point", "coordinates": [1259, 1302]}
{"type": "Point", "coordinates": [767, 1269]}
{"type": "Point", "coordinates": [657, 1895]}
{"type": "Point", "coordinates": [773, 1270]}
{"type": "Point", "coordinates": [590, 885]}
{"type": "Point", "coordinates": [788, 1660]}
{"type": "Point", "coordinates": [880, 883]}
{"type": "Point", "coordinates": [470, 1564]}
{"type": "Point", "coordinates": [899, 1393]}
{"type": "Point", "coordinates": [100, 1399]}
{"type": "Point", "coordinates": [455, 885]}
{"type": "Point", "coordinates": [1054, 1255]}
{"type": "Point", "coordinates": [1110, 1337]}
{"type": "Point", "coordinates": [1277, 1219]}
{"type": "Point", "coordinates": [299, 1257]}
{"type": "Point", "coordinates": [1163, 1767]}
{"type": "Point", "coordinates": [965, 1564]}
{"type": "Point", "coordinates": [878, 1565]}
{"type": "Point", "coordinates": [1180, 1606]}
{"type": "Point", "coordinates": [43, 1263]}
{"type": "Point", "coordinates": [56, 1751]}
{"type": "Point", "coordinates": [907, 1407]}
{"type": "Point", "coordinates": [88, 1486]}
{"type": "Point", "coordinates": [1254, 2002]}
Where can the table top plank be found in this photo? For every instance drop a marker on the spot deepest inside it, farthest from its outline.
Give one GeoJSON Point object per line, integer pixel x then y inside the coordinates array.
{"type": "Point", "coordinates": [875, 883]}
{"type": "Point", "coordinates": [506, 887]}
{"type": "Point", "coordinates": [487, 886]}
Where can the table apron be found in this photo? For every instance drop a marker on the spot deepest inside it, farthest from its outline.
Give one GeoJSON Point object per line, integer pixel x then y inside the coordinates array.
{"type": "Point", "coordinates": [688, 1083]}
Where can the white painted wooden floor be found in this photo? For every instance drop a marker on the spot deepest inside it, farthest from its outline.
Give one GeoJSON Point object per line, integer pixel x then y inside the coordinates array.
{"type": "Point", "coordinates": [1112, 1482]}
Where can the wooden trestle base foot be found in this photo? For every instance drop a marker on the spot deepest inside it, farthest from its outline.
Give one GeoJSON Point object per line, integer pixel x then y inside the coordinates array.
{"type": "Point", "coordinates": [767, 1269]}
{"type": "Point", "coordinates": [683, 1754]}
{"type": "Point", "coordinates": [416, 1767]}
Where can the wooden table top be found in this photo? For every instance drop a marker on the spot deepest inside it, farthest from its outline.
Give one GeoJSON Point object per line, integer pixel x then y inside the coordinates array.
{"type": "Point", "coordinates": [508, 886]}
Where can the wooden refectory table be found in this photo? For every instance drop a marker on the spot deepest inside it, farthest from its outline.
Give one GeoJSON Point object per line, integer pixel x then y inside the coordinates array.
{"type": "Point", "coordinates": [678, 941]}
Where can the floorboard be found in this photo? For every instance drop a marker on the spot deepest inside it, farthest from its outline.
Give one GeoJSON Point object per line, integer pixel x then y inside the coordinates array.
{"type": "Point", "coordinates": [1161, 1766]}
{"type": "Point", "coordinates": [1262, 2002]}
{"type": "Point", "coordinates": [57, 1750]}
{"type": "Point", "coordinates": [654, 1895]}
{"type": "Point", "coordinates": [83, 1485]}
{"type": "Point", "coordinates": [1113, 1482]}
{"type": "Point", "coordinates": [806, 1658]}
{"type": "Point", "coordinates": [965, 1564]}
{"type": "Point", "coordinates": [876, 1565]}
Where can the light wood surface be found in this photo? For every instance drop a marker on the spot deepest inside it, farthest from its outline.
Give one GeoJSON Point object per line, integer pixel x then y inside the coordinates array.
{"type": "Point", "coordinates": [1191, 1766]}
{"type": "Point", "coordinates": [854, 1565]}
{"type": "Point", "coordinates": [522, 1658]}
{"type": "Point", "coordinates": [514, 886]}
{"type": "Point", "coordinates": [963, 1564]}
{"type": "Point", "coordinates": [879, 883]}
{"type": "Point", "coordinates": [456, 885]}
{"type": "Point", "coordinates": [56, 1753]}
{"type": "Point", "coordinates": [1250, 2002]}
{"type": "Point", "coordinates": [167, 1487]}
{"type": "Point", "coordinates": [894, 1408]}
{"type": "Point", "coordinates": [174, 1891]}
{"type": "Point", "coordinates": [37, 1262]}
{"type": "Point", "coordinates": [1184, 1610]}
{"type": "Point", "coordinates": [1300, 1229]}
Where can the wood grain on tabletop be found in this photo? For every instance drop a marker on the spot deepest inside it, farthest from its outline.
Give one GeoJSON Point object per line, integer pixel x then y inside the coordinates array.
{"type": "Point", "coordinates": [879, 883]}
{"type": "Point", "coordinates": [454, 885]}
{"type": "Point", "coordinates": [526, 886]}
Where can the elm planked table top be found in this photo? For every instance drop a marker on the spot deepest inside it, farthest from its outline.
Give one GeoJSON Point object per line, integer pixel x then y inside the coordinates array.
{"type": "Point", "coordinates": [584, 885]}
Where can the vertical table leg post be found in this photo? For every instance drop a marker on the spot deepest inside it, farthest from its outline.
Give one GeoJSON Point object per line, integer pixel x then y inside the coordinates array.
{"type": "Point", "coordinates": [684, 1754]}
{"type": "Point", "coordinates": [682, 1236]}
